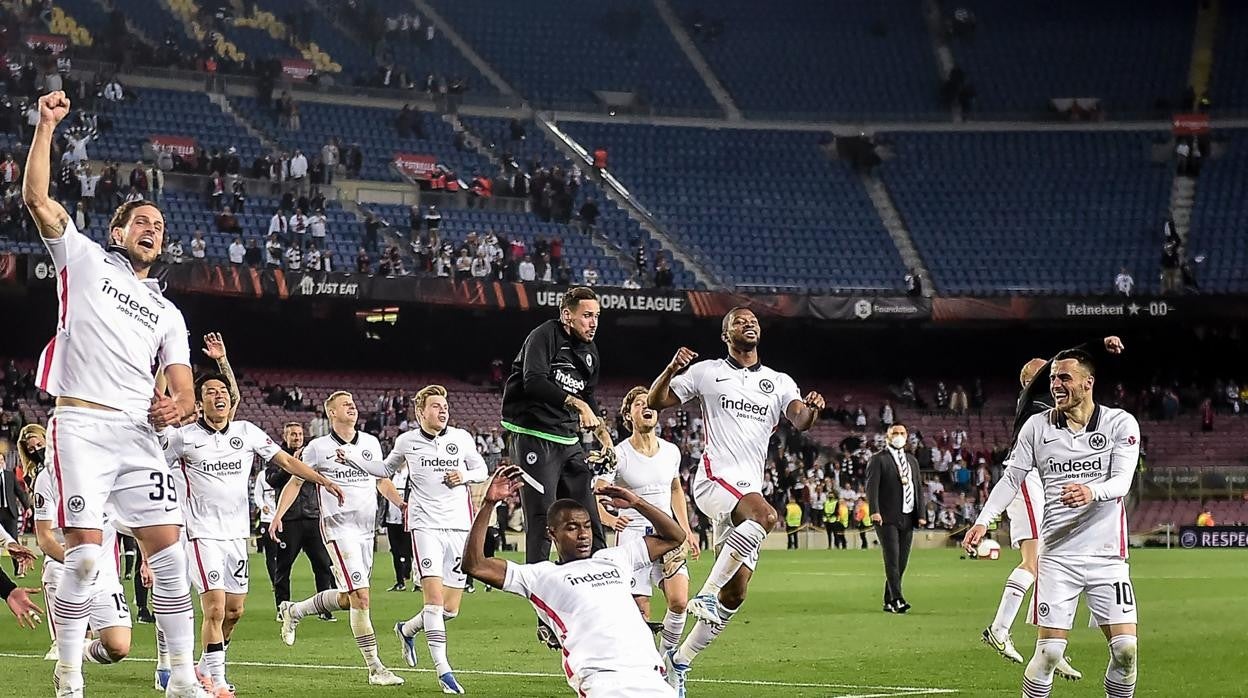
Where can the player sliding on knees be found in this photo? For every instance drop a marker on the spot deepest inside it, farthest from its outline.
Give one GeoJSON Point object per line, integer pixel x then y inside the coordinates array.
{"type": "Point", "coordinates": [608, 649]}
{"type": "Point", "coordinates": [1086, 455]}
{"type": "Point", "coordinates": [742, 401]}
{"type": "Point", "coordinates": [348, 527]}
{"type": "Point", "coordinates": [650, 467]}
{"type": "Point", "coordinates": [441, 460]}
{"type": "Point", "coordinates": [214, 457]}
{"type": "Point", "coordinates": [1026, 511]}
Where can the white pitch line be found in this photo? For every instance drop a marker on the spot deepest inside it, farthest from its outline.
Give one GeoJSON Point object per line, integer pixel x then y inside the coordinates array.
{"type": "Point", "coordinates": [894, 690]}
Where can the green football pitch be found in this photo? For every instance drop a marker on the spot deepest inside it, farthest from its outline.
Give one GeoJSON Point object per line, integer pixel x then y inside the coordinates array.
{"type": "Point", "coordinates": [812, 626]}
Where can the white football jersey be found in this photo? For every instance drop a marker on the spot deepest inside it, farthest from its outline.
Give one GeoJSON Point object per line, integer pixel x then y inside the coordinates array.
{"type": "Point", "coordinates": [1103, 457]}
{"type": "Point", "coordinates": [264, 497]}
{"type": "Point", "coordinates": [216, 469]}
{"type": "Point", "coordinates": [590, 604]}
{"type": "Point", "coordinates": [741, 408]}
{"type": "Point", "coordinates": [650, 477]}
{"type": "Point", "coordinates": [47, 502]}
{"type": "Point", "coordinates": [357, 516]}
{"type": "Point", "coordinates": [429, 457]}
{"type": "Point", "coordinates": [113, 331]}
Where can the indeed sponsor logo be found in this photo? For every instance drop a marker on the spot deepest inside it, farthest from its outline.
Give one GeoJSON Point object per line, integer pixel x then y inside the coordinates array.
{"type": "Point", "coordinates": [742, 405]}
{"type": "Point", "coordinates": [569, 382]}
{"type": "Point", "coordinates": [224, 466]}
{"type": "Point", "coordinates": [130, 306]}
{"type": "Point", "coordinates": [347, 474]}
{"type": "Point", "coordinates": [592, 577]}
{"type": "Point", "coordinates": [439, 462]}
{"type": "Point", "coordinates": [1074, 466]}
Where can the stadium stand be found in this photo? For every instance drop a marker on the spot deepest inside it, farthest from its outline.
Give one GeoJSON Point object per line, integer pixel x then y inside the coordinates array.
{"type": "Point", "coordinates": [172, 113]}
{"type": "Point", "coordinates": [422, 57]}
{"type": "Point", "coordinates": [561, 51]}
{"type": "Point", "coordinates": [157, 22]}
{"type": "Point", "coordinates": [1031, 213]}
{"type": "Point", "coordinates": [1130, 54]}
{"type": "Point", "coordinates": [1229, 88]}
{"type": "Point", "coordinates": [821, 59]}
{"type": "Point", "coordinates": [1220, 218]}
{"type": "Point", "coordinates": [761, 208]}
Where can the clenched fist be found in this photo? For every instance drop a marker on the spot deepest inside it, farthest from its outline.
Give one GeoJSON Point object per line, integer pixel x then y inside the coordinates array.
{"type": "Point", "coordinates": [53, 107]}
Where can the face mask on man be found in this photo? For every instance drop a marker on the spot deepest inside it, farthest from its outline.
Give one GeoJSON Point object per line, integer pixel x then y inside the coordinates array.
{"type": "Point", "coordinates": [897, 441]}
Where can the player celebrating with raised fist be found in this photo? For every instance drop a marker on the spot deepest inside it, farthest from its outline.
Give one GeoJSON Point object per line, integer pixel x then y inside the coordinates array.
{"type": "Point", "coordinates": [1086, 455]}
{"type": "Point", "coordinates": [650, 467]}
{"type": "Point", "coordinates": [742, 401]}
{"type": "Point", "coordinates": [441, 460]}
{"type": "Point", "coordinates": [214, 456]}
{"type": "Point", "coordinates": [347, 527]}
{"type": "Point", "coordinates": [112, 331]}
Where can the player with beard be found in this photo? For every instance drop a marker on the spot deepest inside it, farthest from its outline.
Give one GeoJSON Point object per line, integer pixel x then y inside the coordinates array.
{"type": "Point", "coordinates": [113, 332]}
{"type": "Point", "coordinates": [607, 648]}
{"type": "Point", "coordinates": [650, 467]}
{"type": "Point", "coordinates": [214, 456]}
{"type": "Point", "coordinates": [742, 402]}
{"type": "Point", "coordinates": [347, 527]}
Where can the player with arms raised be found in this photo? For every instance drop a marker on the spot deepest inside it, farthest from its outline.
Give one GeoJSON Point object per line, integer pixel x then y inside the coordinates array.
{"type": "Point", "coordinates": [1086, 455]}
{"type": "Point", "coordinates": [347, 527]}
{"type": "Point", "coordinates": [214, 456]}
{"type": "Point", "coordinates": [113, 331]}
{"type": "Point", "coordinates": [607, 647]}
{"type": "Point", "coordinates": [742, 401]}
{"type": "Point", "coordinates": [441, 460]}
{"type": "Point", "coordinates": [650, 467]}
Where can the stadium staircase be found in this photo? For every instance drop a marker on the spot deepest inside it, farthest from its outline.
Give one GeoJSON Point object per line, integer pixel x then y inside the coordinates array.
{"type": "Point", "coordinates": [698, 61]}
{"type": "Point", "coordinates": [935, 19]}
{"type": "Point", "coordinates": [1182, 199]}
{"type": "Point", "coordinates": [877, 191]}
{"type": "Point", "coordinates": [223, 103]}
{"type": "Point", "coordinates": [443, 26]}
{"type": "Point", "coordinates": [1203, 41]}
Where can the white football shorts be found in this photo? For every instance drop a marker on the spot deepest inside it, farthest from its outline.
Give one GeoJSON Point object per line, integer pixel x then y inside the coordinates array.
{"type": "Point", "coordinates": [219, 565]}
{"type": "Point", "coordinates": [646, 578]}
{"type": "Point", "coordinates": [1061, 579]}
{"type": "Point", "coordinates": [438, 552]}
{"type": "Point", "coordinates": [351, 560]}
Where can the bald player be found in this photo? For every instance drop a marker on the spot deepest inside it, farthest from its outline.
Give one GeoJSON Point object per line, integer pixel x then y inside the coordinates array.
{"type": "Point", "coordinates": [1026, 514]}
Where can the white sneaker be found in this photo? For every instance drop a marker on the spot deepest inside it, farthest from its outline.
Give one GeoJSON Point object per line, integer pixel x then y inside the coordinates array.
{"type": "Point", "coordinates": [674, 672]}
{"type": "Point", "coordinates": [1002, 644]}
{"type": "Point", "coordinates": [67, 684]}
{"type": "Point", "coordinates": [51, 655]}
{"type": "Point", "coordinates": [705, 607]}
{"type": "Point", "coordinates": [384, 677]}
{"type": "Point", "coordinates": [160, 679]}
{"type": "Point", "coordinates": [408, 644]}
{"type": "Point", "coordinates": [285, 611]}
{"type": "Point", "coordinates": [190, 690]}
{"type": "Point", "coordinates": [1066, 671]}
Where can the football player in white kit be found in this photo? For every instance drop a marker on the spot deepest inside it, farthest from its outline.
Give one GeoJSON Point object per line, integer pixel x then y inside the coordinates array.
{"type": "Point", "coordinates": [742, 402]}
{"type": "Point", "coordinates": [441, 461]}
{"type": "Point", "coordinates": [109, 612]}
{"type": "Point", "coordinates": [608, 650]}
{"type": "Point", "coordinates": [214, 456]}
{"type": "Point", "coordinates": [1087, 455]}
{"type": "Point", "coordinates": [347, 528]}
{"type": "Point", "coordinates": [113, 332]}
{"type": "Point", "coordinates": [650, 467]}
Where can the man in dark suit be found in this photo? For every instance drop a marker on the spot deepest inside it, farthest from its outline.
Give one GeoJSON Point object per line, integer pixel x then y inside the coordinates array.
{"type": "Point", "coordinates": [13, 501]}
{"type": "Point", "coordinates": [893, 494]}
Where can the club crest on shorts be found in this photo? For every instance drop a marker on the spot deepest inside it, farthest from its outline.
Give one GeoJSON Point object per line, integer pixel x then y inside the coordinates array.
{"type": "Point", "coordinates": [766, 386]}
{"type": "Point", "coordinates": [1096, 440]}
{"type": "Point", "coordinates": [214, 576]}
{"type": "Point", "coordinates": [355, 576]}
{"type": "Point", "coordinates": [530, 458]}
{"type": "Point", "coordinates": [236, 443]}
{"type": "Point", "coordinates": [1043, 610]}
{"type": "Point", "coordinates": [77, 504]}
{"type": "Point", "coordinates": [452, 449]}
{"type": "Point", "coordinates": [426, 563]}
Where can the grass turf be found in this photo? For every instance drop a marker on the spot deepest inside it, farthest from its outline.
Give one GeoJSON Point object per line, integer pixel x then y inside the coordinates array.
{"type": "Point", "coordinates": [812, 625]}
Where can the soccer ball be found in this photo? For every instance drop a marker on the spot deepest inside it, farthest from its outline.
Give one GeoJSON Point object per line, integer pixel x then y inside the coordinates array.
{"type": "Point", "coordinates": [988, 550]}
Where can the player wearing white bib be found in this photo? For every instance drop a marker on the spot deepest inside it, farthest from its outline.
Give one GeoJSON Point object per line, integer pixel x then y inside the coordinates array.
{"type": "Point", "coordinates": [742, 402]}
{"type": "Point", "coordinates": [109, 613]}
{"type": "Point", "coordinates": [650, 467]}
{"type": "Point", "coordinates": [1086, 455]}
{"type": "Point", "coordinates": [113, 332]}
{"type": "Point", "coordinates": [214, 457]}
{"type": "Point", "coordinates": [608, 651]}
{"type": "Point", "coordinates": [347, 528]}
{"type": "Point", "coordinates": [441, 461]}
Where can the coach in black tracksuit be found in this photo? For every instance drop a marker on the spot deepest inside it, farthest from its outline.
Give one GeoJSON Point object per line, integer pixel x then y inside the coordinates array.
{"type": "Point", "coordinates": [547, 400]}
{"type": "Point", "coordinates": [301, 526]}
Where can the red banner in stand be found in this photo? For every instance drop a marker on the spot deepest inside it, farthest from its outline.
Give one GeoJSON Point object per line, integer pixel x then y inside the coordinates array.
{"type": "Point", "coordinates": [297, 68]}
{"type": "Point", "coordinates": [1190, 124]}
{"type": "Point", "coordinates": [416, 166]}
{"type": "Point", "coordinates": [182, 146]}
{"type": "Point", "coordinates": [56, 43]}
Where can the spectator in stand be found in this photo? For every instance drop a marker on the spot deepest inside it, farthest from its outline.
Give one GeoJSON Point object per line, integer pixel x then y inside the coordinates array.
{"type": "Point", "coordinates": [313, 258]}
{"type": "Point", "coordinates": [138, 178]}
{"type": "Point", "coordinates": [363, 265]}
{"type": "Point", "coordinates": [317, 224]}
{"type": "Point", "coordinates": [227, 222]}
{"type": "Point", "coordinates": [563, 274]}
{"type": "Point", "coordinates": [199, 248]}
{"type": "Point", "coordinates": [279, 225]}
{"type": "Point", "coordinates": [295, 122]}
{"type": "Point", "coordinates": [10, 171]}
{"type": "Point", "coordinates": [914, 283]}
{"type": "Point", "coordinates": [372, 225]}
{"type": "Point", "coordinates": [663, 277]}
{"type": "Point", "coordinates": [433, 218]}
{"type": "Point", "coordinates": [631, 282]}
{"type": "Point", "coordinates": [600, 158]}
{"type": "Point", "coordinates": [330, 158]}
{"type": "Point", "coordinates": [298, 169]}
{"type": "Point", "coordinates": [298, 227]}
{"type": "Point", "coordinates": [237, 252]}
{"type": "Point", "coordinates": [252, 256]}
{"type": "Point", "coordinates": [481, 264]}
{"type": "Point", "coordinates": [959, 402]}
{"type": "Point", "coordinates": [1206, 415]}
{"type": "Point", "coordinates": [443, 265]}
{"type": "Point", "coordinates": [239, 191]}
{"type": "Point", "coordinates": [526, 271]}
{"type": "Point", "coordinates": [273, 252]}
{"type": "Point", "coordinates": [463, 264]}
{"type": "Point", "coordinates": [886, 415]}
{"type": "Point", "coordinates": [354, 161]}
{"type": "Point", "coordinates": [174, 252]}
{"type": "Point", "coordinates": [589, 215]}
{"type": "Point", "coordinates": [589, 275]}
{"type": "Point", "coordinates": [1205, 517]}
{"type": "Point", "coordinates": [942, 396]}
{"type": "Point", "coordinates": [1123, 283]}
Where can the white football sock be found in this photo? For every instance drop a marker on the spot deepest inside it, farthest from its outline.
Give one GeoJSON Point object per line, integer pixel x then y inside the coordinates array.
{"type": "Point", "coordinates": [742, 542]}
{"type": "Point", "coordinates": [701, 636]}
{"type": "Point", "coordinates": [1016, 586]}
{"type": "Point", "coordinates": [1121, 673]}
{"type": "Point", "coordinates": [673, 628]}
{"type": "Point", "coordinates": [365, 639]}
{"type": "Point", "coordinates": [171, 604]}
{"type": "Point", "coordinates": [73, 606]}
{"type": "Point", "coordinates": [323, 602]}
{"type": "Point", "coordinates": [1038, 676]}
{"type": "Point", "coordinates": [435, 637]}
